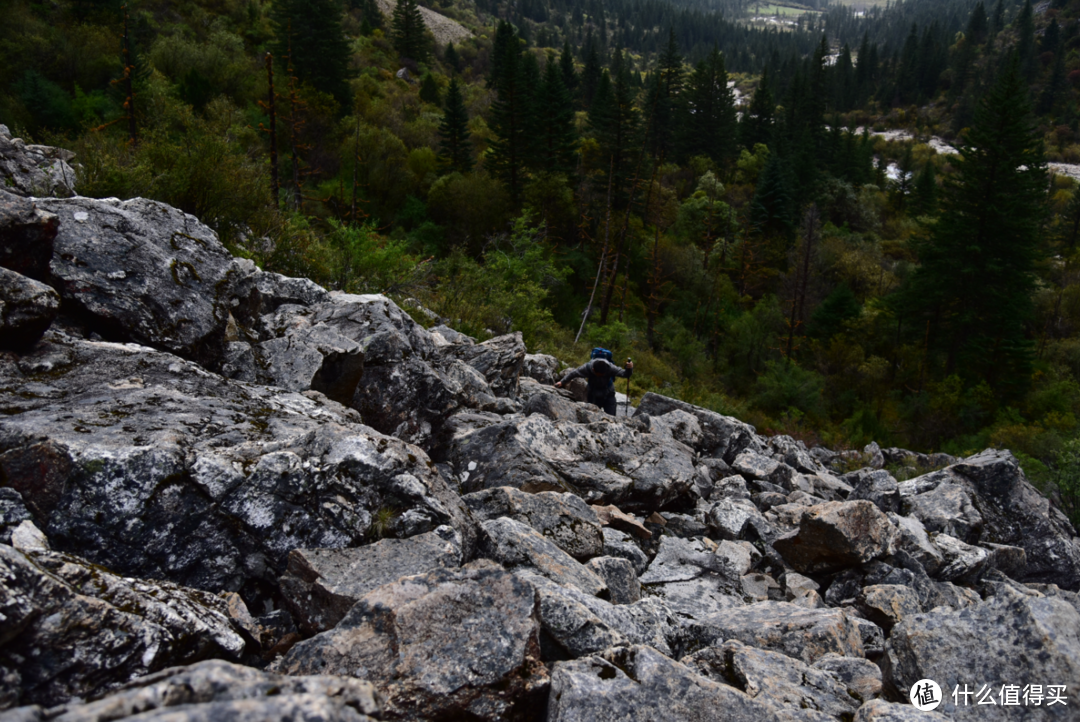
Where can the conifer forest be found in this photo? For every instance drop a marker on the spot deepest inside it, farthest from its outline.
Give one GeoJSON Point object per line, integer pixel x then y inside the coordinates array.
{"type": "Point", "coordinates": [843, 222]}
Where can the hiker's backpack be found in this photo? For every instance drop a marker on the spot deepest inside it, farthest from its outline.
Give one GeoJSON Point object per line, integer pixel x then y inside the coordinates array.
{"type": "Point", "coordinates": [601, 383]}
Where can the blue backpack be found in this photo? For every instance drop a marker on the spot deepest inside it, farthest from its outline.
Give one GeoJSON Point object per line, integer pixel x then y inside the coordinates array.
{"type": "Point", "coordinates": [597, 382]}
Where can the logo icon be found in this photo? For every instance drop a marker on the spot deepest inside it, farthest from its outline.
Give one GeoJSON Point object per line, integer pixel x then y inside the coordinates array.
{"type": "Point", "coordinates": [925, 695]}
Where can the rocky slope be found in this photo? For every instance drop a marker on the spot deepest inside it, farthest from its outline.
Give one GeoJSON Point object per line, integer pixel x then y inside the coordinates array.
{"type": "Point", "coordinates": [227, 494]}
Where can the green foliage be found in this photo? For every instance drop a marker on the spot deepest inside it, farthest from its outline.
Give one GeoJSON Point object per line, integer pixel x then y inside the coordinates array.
{"type": "Point", "coordinates": [429, 90]}
{"type": "Point", "coordinates": [839, 307]}
{"type": "Point", "coordinates": [309, 33]}
{"type": "Point", "coordinates": [784, 385]}
{"type": "Point", "coordinates": [370, 263]}
{"type": "Point", "coordinates": [1065, 474]}
{"type": "Point", "coordinates": [455, 147]}
{"type": "Point", "coordinates": [409, 31]}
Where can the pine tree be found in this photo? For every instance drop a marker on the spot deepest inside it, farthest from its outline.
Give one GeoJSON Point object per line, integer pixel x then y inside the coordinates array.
{"type": "Point", "coordinates": [429, 90]}
{"type": "Point", "coordinates": [590, 74]}
{"type": "Point", "coordinates": [566, 67]}
{"type": "Point", "coordinates": [757, 120]}
{"type": "Point", "coordinates": [511, 119]}
{"type": "Point", "coordinates": [451, 59]}
{"type": "Point", "coordinates": [978, 25]}
{"type": "Point", "coordinates": [455, 149]}
{"type": "Point", "coordinates": [555, 138]}
{"type": "Point", "coordinates": [664, 88]}
{"type": "Point", "coordinates": [925, 199]}
{"type": "Point", "coordinates": [707, 119]}
{"type": "Point", "coordinates": [977, 272]}
{"type": "Point", "coordinates": [615, 123]}
{"type": "Point", "coordinates": [771, 210]}
{"type": "Point", "coordinates": [371, 16]}
{"type": "Point", "coordinates": [408, 31]}
{"type": "Point", "coordinates": [505, 41]}
{"type": "Point", "coordinates": [1025, 45]}
{"type": "Point", "coordinates": [320, 50]}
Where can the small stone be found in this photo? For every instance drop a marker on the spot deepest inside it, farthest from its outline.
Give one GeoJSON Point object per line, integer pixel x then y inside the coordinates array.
{"type": "Point", "coordinates": [620, 578]}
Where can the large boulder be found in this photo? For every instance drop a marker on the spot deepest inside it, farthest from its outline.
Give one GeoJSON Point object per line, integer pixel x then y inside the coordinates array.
{"type": "Point", "coordinates": [34, 170]}
{"type": "Point", "coordinates": [26, 235]}
{"type": "Point", "coordinates": [144, 271]}
{"type": "Point", "coordinates": [607, 461]}
{"type": "Point", "coordinates": [775, 678]}
{"type": "Point", "coordinates": [151, 466]}
{"type": "Point", "coordinates": [321, 585]}
{"type": "Point", "coordinates": [1011, 638]}
{"type": "Point", "coordinates": [638, 684]}
{"type": "Point", "coordinates": [722, 436]}
{"type": "Point", "coordinates": [805, 634]}
{"type": "Point", "coordinates": [499, 360]}
{"type": "Point", "coordinates": [452, 644]}
{"type": "Point", "coordinates": [218, 690]}
{"type": "Point", "coordinates": [27, 308]}
{"type": "Point", "coordinates": [515, 544]}
{"type": "Point", "coordinates": [72, 629]}
{"type": "Point", "coordinates": [986, 499]}
{"type": "Point", "coordinates": [836, 535]}
{"type": "Point", "coordinates": [563, 518]}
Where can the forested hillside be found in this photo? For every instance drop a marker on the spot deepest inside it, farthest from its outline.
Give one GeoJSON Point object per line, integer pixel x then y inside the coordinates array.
{"type": "Point", "coordinates": [661, 178]}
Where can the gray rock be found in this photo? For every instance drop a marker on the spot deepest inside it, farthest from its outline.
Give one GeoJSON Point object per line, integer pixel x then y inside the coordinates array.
{"type": "Point", "coordinates": [499, 360]}
{"type": "Point", "coordinates": [879, 710]}
{"type": "Point", "coordinates": [514, 544]}
{"type": "Point", "coordinates": [638, 684]}
{"type": "Point", "coordinates": [722, 436]}
{"type": "Point", "coordinates": [878, 487]}
{"type": "Point", "coordinates": [888, 604]}
{"type": "Point", "coordinates": [860, 677]}
{"type": "Point", "coordinates": [942, 506]}
{"type": "Point", "coordinates": [679, 560]}
{"type": "Point", "coordinates": [27, 308]}
{"type": "Point", "coordinates": [563, 518]}
{"type": "Point", "coordinates": [755, 466]}
{"type": "Point", "coordinates": [143, 271]}
{"type": "Point", "coordinates": [317, 358]}
{"type": "Point", "coordinates": [1006, 558]}
{"type": "Point", "coordinates": [1010, 638]}
{"type": "Point", "coordinates": [449, 644]}
{"type": "Point", "coordinates": [542, 367]}
{"type": "Point", "coordinates": [699, 599]}
{"type": "Point", "coordinates": [443, 335]}
{"type": "Point", "coordinates": [556, 407]}
{"type": "Point", "coordinates": [680, 426]}
{"type": "Point", "coordinates": [320, 586]}
{"type": "Point", "coordinates": [12, 513]}
{"type": "Point", "coordinates": [618, 544]}
{"type": "Point", "coordinates": [34, 170]}
{"type": "Point", "coordinates": [735, 519]}
{"type": "Point", "coordinates": [962, 562]}
{"type": "Point", "coordinates": [612, 516]}
{"type": "Point", "coordinates": [74, 630]}
{"type": "Point", "coordinates": [873, 637]}
{"type": "Point", "coordinates": [758, 587]}
{"type": "Point", "coordinates": [608, 461]}
{"type": "Point", "coordinates": [157, 469]}
{"type": "Point", "coordinates": [796, 585]}
{"type": "Point", "coordinates": [730, 487]}
{"type": "Point", "coordinates": [774, 678]}
{"type": "Point", "coordinates": [914, 540]}
{"type": "Point", "coordinates": [837, 534]}
{"type": "Point", "coordinates": [276, 290]}
{"type": "Point", "coordinates": [215, 689]}
{"type": "Point", "coordinates": [26, 236]}
{"type": "Point", "coordinates": [733, 559]}
{"type": "Point", "coordinates": [804, 634]}
{"type": "Point", "coordinates": [619, 577]}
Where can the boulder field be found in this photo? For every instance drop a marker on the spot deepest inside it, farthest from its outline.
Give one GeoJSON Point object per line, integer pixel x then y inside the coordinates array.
{"type": "Point", "coordinates": [226, 494]}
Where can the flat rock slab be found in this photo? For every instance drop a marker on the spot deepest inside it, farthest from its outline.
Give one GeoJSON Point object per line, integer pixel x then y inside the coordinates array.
{"type": "Point", "coordinates": [72, 629]}
{"type": "Point", "coordinates": [1008, 639]}
{"type": "Point", "coordinates": [619, 576]}
{"type": "Point", "coordinates": [836, 535]}
{"type": "Point", "coordinates": [805, 634]}
{"type": "Point", "coordinates": [218, 690]}
{"type": "Point", "coordinates": [638, 684]}
{"type": "Point", "coordinates": [879, 710]}
{"type": "Point", "coordinates": [561, 517]}
{"type": "Point", "coordinates": [774, 678]}
{"type": "Point", "coordinates": [321, 585]}
{"type": "Point", "coordinates": [723, 437]}
{"type": "Point", "coordinates": [155, 468]}
{"type": "Point", "coordinates": [460, 643]}
{"type": "Point", "coordinates": [514, 544]}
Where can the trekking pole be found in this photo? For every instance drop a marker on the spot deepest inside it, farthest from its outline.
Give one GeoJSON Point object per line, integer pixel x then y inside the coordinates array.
{"type": "Point", "coordinates": [627, 414]}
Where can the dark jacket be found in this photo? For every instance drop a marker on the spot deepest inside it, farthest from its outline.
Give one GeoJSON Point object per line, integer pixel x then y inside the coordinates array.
{"type": "Point", "coordinates": [600, 373]}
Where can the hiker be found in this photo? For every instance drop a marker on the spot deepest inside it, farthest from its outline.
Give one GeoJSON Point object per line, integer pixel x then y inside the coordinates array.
{"type": "Point", "coordinates": [600, 372]}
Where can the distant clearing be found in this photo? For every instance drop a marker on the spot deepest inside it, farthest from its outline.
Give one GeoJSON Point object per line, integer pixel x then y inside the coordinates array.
{"type": "Point", "coordinates": [778, 9]}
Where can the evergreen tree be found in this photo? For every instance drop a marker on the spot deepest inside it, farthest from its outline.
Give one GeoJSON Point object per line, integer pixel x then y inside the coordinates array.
{"type": "Point", "coordinates": [615, 122]}
{"type": "Point", "coordinates": [429, 90]}
{"type": "Point", "coordinates": [664, 88]}
{"type": "Point", "coordinates": [978, 25]}
{"type": "Point", "coordinates": [771, 210]}
{"type": "Point", "coordinates": [511, 116]}
{"type": "Point", "coordinates": [758, 118]}
{"type": "Point", "coordinates": [566, 67]}
{"type": "Point", "coordinates": [708, 121]}
{"type": "Point", "coordinates": [409, 32]}
{"type": "Point", "coordinates": [455, 149]}
{"type": "Point", "coordinates": [554, 135]}
{"type": "Point", "coordinates": [590, 74]}
{"type": "Point", "coordinates": [828, 319]}
{"type": "Point", "coordinates": [925, 199]}
{"type": "Point", "coordinates": [1025, 44]}
{"type": "Point", "coordinates": [320, 51]}
{"type": "Point", "coordinates": [505, 41]}
{"type": "Point", "coordinates": [371, 16]}
{"type": "Point", "coordinates": [977, 272]}
{"type": "Point", "coordinates": [451, 58]}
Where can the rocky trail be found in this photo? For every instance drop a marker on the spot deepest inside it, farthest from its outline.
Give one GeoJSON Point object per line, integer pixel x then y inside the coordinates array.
{"type": "Point", "coordinates": [226, 494]}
